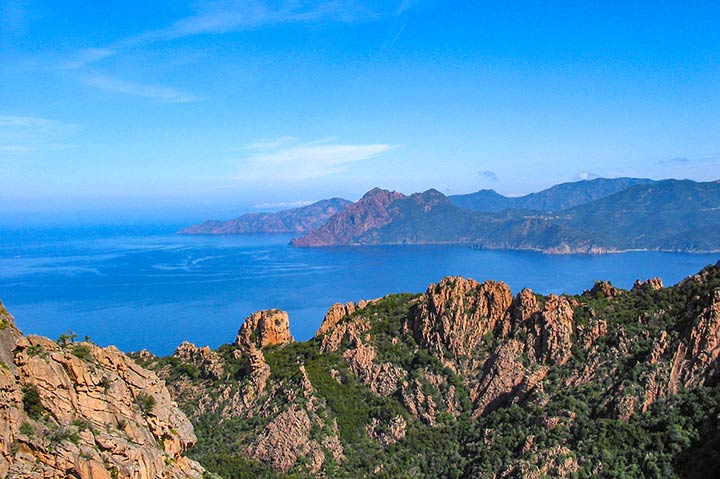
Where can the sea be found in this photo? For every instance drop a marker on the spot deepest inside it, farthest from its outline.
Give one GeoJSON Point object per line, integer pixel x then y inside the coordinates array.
{"type": "Point", "coordinates": [145, 287]}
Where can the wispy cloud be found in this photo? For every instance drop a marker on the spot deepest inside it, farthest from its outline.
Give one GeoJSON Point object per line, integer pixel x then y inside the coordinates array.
{"type": "Point", "coordinates": [406, 5]}
{"type": "Point", "coordinates": [298, 161]}
{"type": "Point", "coordinates": [270, 143]}
{"type": "Point", "coordinates": [282, 204]}
{"type": "Point", "coordinates": [220, 17]}
{"type": "Point", "coordinates": [489, 175]}
{"type": "Point", "coordinates": [585, 175]}
{"type": "Point", "coordinates": [227, 16]}
{"type": "Point", "coordinates": [87, 56]}
{"type": "Point", "coordinates": [22, 135]}
{"type": "Point", "coordinates": [160, 93]}
{"type": "Point", "coordinates": [679, 160]}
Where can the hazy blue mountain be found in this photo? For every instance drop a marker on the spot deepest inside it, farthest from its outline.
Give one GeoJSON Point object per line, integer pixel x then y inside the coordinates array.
{"type": "Point", "coordinates": [556, 198]}
{"type": "Point", "coordinates": [296, 220]}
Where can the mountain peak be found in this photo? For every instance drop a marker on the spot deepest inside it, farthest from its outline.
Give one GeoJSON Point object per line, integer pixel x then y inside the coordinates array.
{"type": "Point", "coordinates": [378, 191]}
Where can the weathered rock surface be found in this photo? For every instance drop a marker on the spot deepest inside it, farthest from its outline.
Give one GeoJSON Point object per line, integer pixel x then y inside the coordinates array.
{"type": "Point", "coordinates": [605, 289]}
{"type": "Point", "coordinates": [9, 335]}
{"type": "Point", "coordinates": [653, 284]}
{"type": "Point", "coordinates": [337, 313]}
{"type": "Point", "coordinates": [207, 361]}
{"type": "Point", "coordinates": [456, 313]}
{"type": "Point", "coordinates": [83, 411]}
{"type": "Point", "coordinates": [261, 329]}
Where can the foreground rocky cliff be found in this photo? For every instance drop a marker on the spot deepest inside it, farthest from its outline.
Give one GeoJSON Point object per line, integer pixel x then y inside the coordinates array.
{"type": "Point", "coordinates": [467, 380]}
{"type": "Point", "coordinates": [77, 410]}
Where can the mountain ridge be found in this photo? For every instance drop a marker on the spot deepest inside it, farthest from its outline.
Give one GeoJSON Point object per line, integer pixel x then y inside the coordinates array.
{"type": "Point", "coordinates": [680, 212]}
{"type": "Point", "coordinates": [558, 197]}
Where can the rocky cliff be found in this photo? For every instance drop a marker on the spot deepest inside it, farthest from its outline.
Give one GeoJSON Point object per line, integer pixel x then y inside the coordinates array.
{"type": "Point", "coordinates": [462, 380]}
{"type": "Point", "coordinates": [77, 410]}
{"type": "Point", "coordinates": [467, 380]}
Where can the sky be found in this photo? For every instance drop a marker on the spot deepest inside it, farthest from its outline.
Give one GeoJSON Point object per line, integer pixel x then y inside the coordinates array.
{"type": "Point", "coordinates": [187, 110]}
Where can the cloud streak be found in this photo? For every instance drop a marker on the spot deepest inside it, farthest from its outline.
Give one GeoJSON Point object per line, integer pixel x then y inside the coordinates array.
{"type": "Point", "coordinates": [220, 17]}
{"type": "Point", "coordinates": [23, 135]}
{"type": "Point", "coordinates": [680, 160]}
{"type": "Point", "coordinates": [159, 93]}
{"type": "Point", "coordinates": [584, 176]}
{"type": "Point", "coordinates": [489, 175]}
{"type": "Point", "coordinates": [281, 204]}
{"type": "Point", "coordinates": [305, 161]}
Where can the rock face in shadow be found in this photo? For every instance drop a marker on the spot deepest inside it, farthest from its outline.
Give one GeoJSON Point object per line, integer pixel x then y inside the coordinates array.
{"type": "Point", "coordinates": [79, 410]}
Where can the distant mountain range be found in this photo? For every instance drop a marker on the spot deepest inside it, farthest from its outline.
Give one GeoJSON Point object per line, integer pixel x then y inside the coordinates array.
{"type": "Point", "coordinates": [296, 220]}
{"type": "Point", "coordinates": [556, 198]}
{"type": "Point", "coordinates": [595, 216]}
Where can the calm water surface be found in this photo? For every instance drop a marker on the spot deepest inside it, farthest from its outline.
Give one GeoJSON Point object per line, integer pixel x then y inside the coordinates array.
{"type": "Point", "coordinates": [149, 288]}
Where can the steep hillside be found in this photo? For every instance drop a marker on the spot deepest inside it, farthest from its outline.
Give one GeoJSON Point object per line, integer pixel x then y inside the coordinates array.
{"type": "Point", "coordinates": [675, 215]}
{"type": "Point", "coordinates": [467, 380]}
{"type": "Point", "coordinates": [370, 212]}
{"type": "Point", "coordinates": [77, 410]}
{"type": "Point", "coordinates": [556, 198]}
{"type": "Point", "coordinates": [296, 220]}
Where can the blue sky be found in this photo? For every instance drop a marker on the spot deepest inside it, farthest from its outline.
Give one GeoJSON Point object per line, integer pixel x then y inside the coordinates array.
{"type": "Point", "coordinates": [209, 108]}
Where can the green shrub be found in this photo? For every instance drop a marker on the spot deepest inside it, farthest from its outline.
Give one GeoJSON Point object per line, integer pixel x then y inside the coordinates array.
{"type": "Point", "coordinates": [63, 433]}
{"type": "Point", "coordinates": [34, 350]}
{"type": "Point", "coordinates": [31, 401]}
{"type": "Point", "coordinates": [27, 429]}
{"type": "Point", "coordinates": [104, 383]}
{"type": "Point", "coordinates": [82, 351]}
{"type": "Point", "coordinates": [146, 402]}
{"type": "Point", "coordinates": [66, 337]}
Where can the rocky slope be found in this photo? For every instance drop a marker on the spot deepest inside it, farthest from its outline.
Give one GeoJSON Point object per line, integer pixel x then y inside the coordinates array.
{"type": "Point", "coordinates": [467, 380]}
{"type": "Point", "coordinates": [370, 212]}
{"type": "Point", "coordinates": [296, 220]}
{"type": "Point", "coordinates": [77, 410]}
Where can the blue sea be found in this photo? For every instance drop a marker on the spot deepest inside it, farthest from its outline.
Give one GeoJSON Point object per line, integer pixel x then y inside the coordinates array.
{"type": "Point", "coordinates": [146, 287]}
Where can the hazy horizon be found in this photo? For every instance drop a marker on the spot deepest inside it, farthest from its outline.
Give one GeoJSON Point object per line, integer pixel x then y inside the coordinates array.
{"type": "Point", "coordinates": [170, 211]}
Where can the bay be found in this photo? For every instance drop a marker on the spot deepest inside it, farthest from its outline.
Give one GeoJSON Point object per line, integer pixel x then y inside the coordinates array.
{"type": "Point", "coordinates": [146, 287]}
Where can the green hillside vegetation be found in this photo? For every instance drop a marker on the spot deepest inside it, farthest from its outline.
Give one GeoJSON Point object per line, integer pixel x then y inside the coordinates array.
{"type": "Point", "coordinates": [669, 215]}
